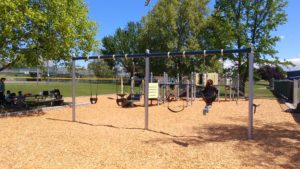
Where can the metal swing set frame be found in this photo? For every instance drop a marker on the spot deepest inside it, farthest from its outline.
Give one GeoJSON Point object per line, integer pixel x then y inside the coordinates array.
{"type": "Point", "coordinates": [148, 55]}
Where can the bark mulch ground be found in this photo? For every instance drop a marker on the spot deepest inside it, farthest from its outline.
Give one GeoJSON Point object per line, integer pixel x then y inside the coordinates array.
{"type": "Point", "coordinates": [107, 136]}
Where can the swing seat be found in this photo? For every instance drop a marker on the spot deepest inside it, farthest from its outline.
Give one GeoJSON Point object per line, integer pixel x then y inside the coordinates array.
{"type": "Point", "coordinates": [120, 101]}
{"type": "Point", "coordinates": [134, 97]}
{"type": "Point", "coordinates": [93, 100]}
{"type": "Point", "coordinates": [129, 101]}
{"type": "Point", "coordinates": [120, 98]}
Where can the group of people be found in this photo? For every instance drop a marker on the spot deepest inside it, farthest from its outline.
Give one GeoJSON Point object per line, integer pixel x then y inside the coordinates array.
{"type": "Point", "coordinates": [9, 98]}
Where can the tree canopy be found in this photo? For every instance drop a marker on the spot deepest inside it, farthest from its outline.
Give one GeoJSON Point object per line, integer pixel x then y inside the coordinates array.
{"type": "Point", "coordinates": [32, 31]}
{"type": "Point", "coordinates": [175, 26]}
{"type": "Point", "coordinates": [125, 41]}
{"type": "Point", "coordinates": [245, 22]}
{"type": "Point", "coordinates": [268, 72]}
{"type": "Point", "coordinates": [170, 26]}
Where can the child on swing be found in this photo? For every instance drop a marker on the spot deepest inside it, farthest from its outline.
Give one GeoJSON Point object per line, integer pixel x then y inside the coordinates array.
{"type": "Point", "coordinates": [210, 93]}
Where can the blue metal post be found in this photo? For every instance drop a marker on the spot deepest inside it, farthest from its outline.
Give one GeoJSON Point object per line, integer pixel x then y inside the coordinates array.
{"type": "Point", "coordinates": [251, 95]}
{"type": "Point", "coordinates": [146, 92]}
{"type": "Point", "coordinates": [73, 92]}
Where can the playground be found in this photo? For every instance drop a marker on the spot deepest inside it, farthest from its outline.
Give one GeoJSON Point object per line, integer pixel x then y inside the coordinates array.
{"type": "Point", "coordinates": [187, 84]}
{"type": "Point", "coordinates": [105, 135]}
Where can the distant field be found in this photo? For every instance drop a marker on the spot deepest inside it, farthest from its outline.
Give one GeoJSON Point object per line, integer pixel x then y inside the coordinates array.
{"type": "Point", "coordinates": [82, 89]}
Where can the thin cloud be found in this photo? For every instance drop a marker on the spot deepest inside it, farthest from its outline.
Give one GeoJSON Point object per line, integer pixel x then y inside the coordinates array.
{"type": "Point", "coordinates": [296, 62]}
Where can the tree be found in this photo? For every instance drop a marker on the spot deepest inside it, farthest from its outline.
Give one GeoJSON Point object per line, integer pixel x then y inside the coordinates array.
{"type": "Point", "coordinates": [125, 41]}
{"type": "Point", "coordinates": [32, 31]}
{"type": "Point", "coordinates": [101, 68]}
{"type": "Point", "coordinates": [250, 22]}
{"type": "Point", "coordinates": [268, 72]}
{"type": "Point", "coordinates": [176, 26]}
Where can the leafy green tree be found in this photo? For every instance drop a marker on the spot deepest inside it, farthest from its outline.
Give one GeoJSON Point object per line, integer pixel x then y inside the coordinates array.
{"type": "Point", "coordinates": [125, 41]}
{"type": "Point", "coordinates": [32, 31]}
{"type": "Point", "coordinates": [176, 26]}
{"type": "Point", "coordinates": [244, 22]}
{"type": "Point", "coordinates": [101, 68]}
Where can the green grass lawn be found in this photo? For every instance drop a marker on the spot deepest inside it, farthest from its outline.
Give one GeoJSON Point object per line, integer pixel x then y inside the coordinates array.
{"type": "Point", "coordinates": [84, 89]}
{"type": "Point", "coordinates": [261, 90]}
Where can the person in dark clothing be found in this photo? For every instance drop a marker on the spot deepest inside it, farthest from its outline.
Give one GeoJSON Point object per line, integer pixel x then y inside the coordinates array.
{"type": "Point", "coordinates": [8, 97]}
{"type": "Point", "coordinates": [2, 90]}
{"type": "Point", "coordinates": [210, 93]}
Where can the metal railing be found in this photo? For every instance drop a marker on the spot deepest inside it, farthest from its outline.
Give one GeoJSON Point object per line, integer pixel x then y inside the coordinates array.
{"type": "Point", "coordinates": [287, 89]}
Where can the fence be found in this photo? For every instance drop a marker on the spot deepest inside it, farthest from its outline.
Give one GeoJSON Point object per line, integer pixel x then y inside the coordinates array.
{"type": "Point", "coordinates": [287, 89]}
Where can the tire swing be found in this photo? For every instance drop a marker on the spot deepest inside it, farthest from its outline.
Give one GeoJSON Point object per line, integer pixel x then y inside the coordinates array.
{"type": "Point", "coordinates": [174, 109]}
{"type": "Point", "coordinates": [171, 97]}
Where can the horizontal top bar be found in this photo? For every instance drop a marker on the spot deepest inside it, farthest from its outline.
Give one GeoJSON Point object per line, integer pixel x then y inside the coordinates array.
{"type": "Point", "coordinates": [190, 53]}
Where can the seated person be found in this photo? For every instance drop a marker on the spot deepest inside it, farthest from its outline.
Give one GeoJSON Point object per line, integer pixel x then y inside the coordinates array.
{"type": "Point", "coordinates": [210, 93]}
{"type": "Point", "coordinates": [9, 98]}
{"type": "Point", "coordinates": [20, 98]}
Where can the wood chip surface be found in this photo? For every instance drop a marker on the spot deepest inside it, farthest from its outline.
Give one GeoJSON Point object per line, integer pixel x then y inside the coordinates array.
{"type": "Point", "coordinates": [106, 136]}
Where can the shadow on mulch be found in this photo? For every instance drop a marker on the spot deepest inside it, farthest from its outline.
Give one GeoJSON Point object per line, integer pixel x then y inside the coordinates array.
{"type": "Point", "coordinates": [124, 128]}
{"type": "Point", "coordinates": [269, 143]}
{"type": "Point", "coordinates": [284, 108]}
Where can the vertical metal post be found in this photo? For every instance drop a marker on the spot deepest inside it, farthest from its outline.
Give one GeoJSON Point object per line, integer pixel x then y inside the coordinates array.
{"type": "Point", "coordinates": [48, 72]}
{"type": "Point", "coordinates": [164, 87]}
{"type": "Point", "coordinates": [251, 95]}
{"type": "Point", "coordinates": [132, 85]}
{"type": "Point", "coordinates": [146, 92]}
{"type": "Point", "coordinates": [37, 75]}
{"type": "Point", "coordinates": [178, 86]}
{"type": "Point", "coordinates": [272, 83]}
{"type": "Point", "coordinates": [159, 93]}
{"type": "Point", "coordinates": [230, 91]}
{"type": "Point", "coordinates": [122, 85]}
{"type": "Point", "coordinates": [167, 85]}
{"type": "Point", "coordinates": [151, 77]}
{"type": "Point", "coordinates": [73, 92]}
{"type": "Point", "coordinates": [295, 92]}
{"type": "Point", "coordinates": [192, 87]}
{"type": "Point", "coordinates": [175, 89]}
{"type": "Point", "coordinates": [238, 86]}
{"type": "Point", "coordinates": [187, 92]}
{"type": "Point", "coordinates": [195, 88]}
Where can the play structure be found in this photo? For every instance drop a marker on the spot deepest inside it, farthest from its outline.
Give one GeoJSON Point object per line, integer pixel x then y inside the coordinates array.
{"type": "Point", "coordinates": [147, 57]}
{"type": "Point", "coordinates": [173, 89]}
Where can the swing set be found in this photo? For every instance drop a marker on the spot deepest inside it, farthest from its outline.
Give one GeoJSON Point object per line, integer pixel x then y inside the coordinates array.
{"type": "Point", "coordinates": [147, 57]}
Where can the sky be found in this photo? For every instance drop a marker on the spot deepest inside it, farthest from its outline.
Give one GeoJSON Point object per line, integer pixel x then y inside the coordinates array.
{"type": "Point", "coordinates": [113, 14]}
